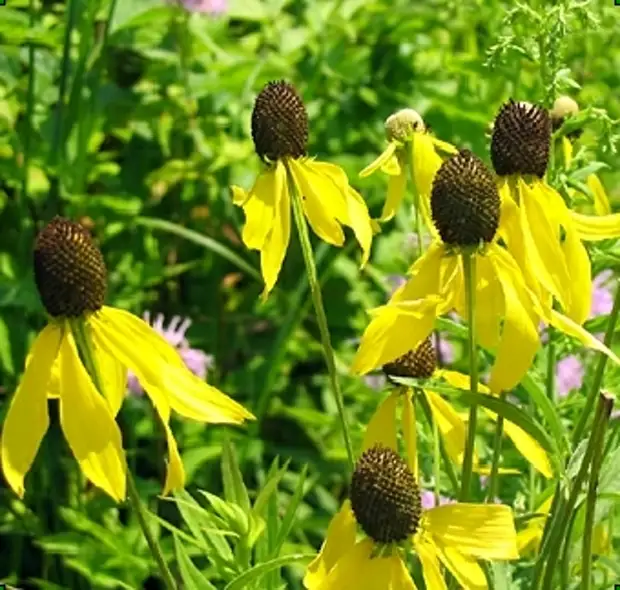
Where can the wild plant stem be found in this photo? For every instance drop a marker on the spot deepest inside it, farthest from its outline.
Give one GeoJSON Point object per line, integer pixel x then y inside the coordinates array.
{"type": "Point", "coordinates": [85, 347]}
{"type": "Point", "coordinates": [469, 270]}
{"type": "Point", "coordinates": [416, 199]}
{"type": "Point", "coordinates": [497, 451]}
{"type": "Point", "coordinates": [317, 300]}
{"type": "Point", "coordinates": [598, 373]}
{"type": "Point", "coordinates": [597, 460]}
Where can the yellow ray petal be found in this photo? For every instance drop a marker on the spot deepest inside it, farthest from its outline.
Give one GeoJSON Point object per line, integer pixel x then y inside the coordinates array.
{"type": "Point", "coordinates": [386, 155]}
{"type": "Point", "coordinates": [541, 218]}
{"type": "Point", "coordinates": [464, 568]}
{"type": "Point", "coordinates": [140, 349]}
{"type": "Point", "coordinates": [458, 380]}
{"type": "Point", "coordinates": [450, 425]}
{"type": "Point", "coordinates": [479, 530]}
{"type": "Point", "coordinates": [592, 228]}
{"type": "Point", "coordinates": [580, 283]}
{"type": "Point", "coordinates": [359, 221]}
{"type": "Point", "coordinates": [175, 475]}
{"type": "Point", "coordinates": [339, 540]}
{"type": "Point", "coordinates": [601, 201]}
{"type": "Point", "coordinates": [569, 327]}
{"type": "Point", "coordinates": [259, 209]}
{"type": "Point", "coordinates": [519, 340]}
{"type": "Point", "coordinates": [528, 539]}
{"type": "Point", "coordinates": [393, 331]}
{"type": "Point", "coordinates": [490, 308]}
{"type": "Point", "coordinates": [276, 243]}
{"type": "Point", "coordinates": [395, 194]}
{"type": "Point", "coordinates": [89, 427]}
{"type": "Point", "coordinates": [425, 275]}
{"type": "Point", "coordinates": [426, 162]}
{"type": "Point", "coordinates": [431, 570]}
{"type": "Point", "coordinates": [410, 433]}
{"type": "Point", "coordinates": [526, 445]}
{"type": "Point", "coordinates": [322, 199]}
{"type": "Point", "coordinates": [392, 166]}
{"type": "Point", "coordinates": [113, 377]}
{"type": "Point", "coordinates": [381, 428]}
{"type": "Point", "coordinates": [444, 146]}
{"type": "Point", "coordinates": [357, 569]}
{"type": "Point", "coordinates": [27, 419]}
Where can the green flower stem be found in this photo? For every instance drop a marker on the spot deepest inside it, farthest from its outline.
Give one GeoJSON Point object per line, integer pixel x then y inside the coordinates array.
{"type": "Point", "coordinates": [469, 269]}
{"type": "Point", "coordinates": [447, 462]}
{"type": "Point", "coordinates": [598, 373]}
{"type": "Point", "coordinates": [85, 347]}
{"type": "Point", "coordinates": [550, 383]}
{"type": "Point", "coordinates": [557, 534]}
{"type": "Point", "coordinates": [597, 460]}
{"type": "Point", "coordinates": [317, 300]}
{"type": "Point", "coordinates": [497, 451]}
{"type": "Point", "coordinates": [416, 199]}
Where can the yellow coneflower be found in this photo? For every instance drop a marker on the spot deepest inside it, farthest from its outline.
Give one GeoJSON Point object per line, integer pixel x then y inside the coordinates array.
{"type": "Point", "coordinates": [70, 275]}
{"type": "Point", "coordinates": [541, 232]}
{"type": "Point", "coordinates": [409, 144]}
{"type": "Point", "coordinates": [385, 503]}
{"type": "Point", "coordinates": [564, 108]}
{"type": "Point", "coordinates": [280, 134]}
{"type": "Point", "coordinates": [465, 208]}
{"type": "Point", "coordinates": [421, 363]}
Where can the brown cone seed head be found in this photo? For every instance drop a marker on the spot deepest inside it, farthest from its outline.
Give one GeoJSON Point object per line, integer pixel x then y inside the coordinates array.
{"type": "Point", "coordinates": [385, 497]}
{"type": "Point", "coordinates": [465, 201]}
{"type": "Point", "coordinates": [521, 140]}
{"type": "Point", "coordinates": [419, 363]}
{"type": "Point", "coordinates": [279, 122]}
{"type": "Point", "coordinates": [69, 270]}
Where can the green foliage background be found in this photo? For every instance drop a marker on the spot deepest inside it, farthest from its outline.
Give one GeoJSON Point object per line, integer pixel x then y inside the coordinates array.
{"type": "Point", "coordinates": [138, 124]}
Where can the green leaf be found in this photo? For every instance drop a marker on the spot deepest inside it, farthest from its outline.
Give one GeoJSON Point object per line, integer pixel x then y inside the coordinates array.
{"type": "Point", "coordinates": [230, 513]}
{"type": "Point", "coordinates": [192, 577]}
{"type": "Point", "coordinates": [258, 571]}
{"type": "Point", "coordinates": [234, 488]}
{"type": "Point", "coordinates": [289, 515]}
{"type": "Point", "coordinates": [609, 480]}
{"type": "Point", "coordinates": [204, 241]}
{"type": "Point", "coordinates": [268, 488]}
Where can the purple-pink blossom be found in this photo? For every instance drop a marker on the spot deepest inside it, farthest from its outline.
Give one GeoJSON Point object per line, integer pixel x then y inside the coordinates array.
{"type": "Point", "coordinates": [569, 373]}
{"type": "Point", "coordinates": [602, 296]}
{"type": "Point", "coordinates": [196, 360]}
{"type": "Point", "coordinates": [429, 500]}
{"type": "Point", "coordinates": [205, 6]}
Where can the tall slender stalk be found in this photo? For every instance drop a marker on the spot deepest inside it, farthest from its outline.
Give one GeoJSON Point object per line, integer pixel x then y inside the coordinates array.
{"type": "Point", "coordinates": [317, 300]}
{"type": "Point", "coordinates": [597, 460]}
{"type": "Point", "coordinates": [416, 199]}
{"type": "Point", "coordinates": [599, 371]}
{"type": "Point", "coordinates": [497, 451]}
{"type": "Point", "coordinates": [469, 270]}
{"type": "Point", "coordinates": [85, 347]}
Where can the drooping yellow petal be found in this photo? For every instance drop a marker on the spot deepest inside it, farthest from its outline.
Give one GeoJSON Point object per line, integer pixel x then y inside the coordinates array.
{"type": "Point", "coordinates": [386, 155]}
{"type": "Point", "coordinates": [426, 551]}
{"type": "Point", "coordinates": [458, 380]}
{"type": "Point", "coordinates": [410, 433]}
{"type": "Point", "coordinates": [479, 530]}
{"type": "Point", "coordinates": [530, 448]}
{"type": "Point", "coordinates": [528, 539]}
{"type": "Point", "coordinates": [425, 275]}
{"type": "Point", "coordinates": [395, 194]}
{"type": "Point", "coordinates": [519, 340]}
{"type": "Point", "coordinates": [567, 152]}
{"type": "Point", "coordinates": [259, 209]}
{"type": "Point", "coordinates": [592, 228]}
{"type": "Point", "coordinates": [359, 221]}
{"type": "Point", "coordinates": [381, 429]}
{"type": "Point", "coordinates": [89, 426]}
{"type": "Point", "coordinates": [577, 259]}
{"type": "Point", "coordinates": [140, 348]}
{"type": "Point", "coordinates": [443, 146]}
{"type": "Point", "coordinates": [601, 201]}
{"type": "Point", "coordinates": [450, 425]}
{"type": "Point", "coordinates": [426, 162]}
{"type": "Point", "coordinates": [27, 419]}
{"type": "Point", "coordinates": [488, 315]}
{"type": "Point", "coordinates": [569, 327]}
{"type": "Point", "coordinates": [392, 166]}
{"type": "Point", "coordinates": [360, 570]}
{"type": "Point", "coordinates": [394, 330]}
{"type": "Point", "coordinates": [541, 219]}
{"type": "Point", "coordinates": [322, 199]}
{"type": "Point", "coordinates": [464, 568]}
{"type": "Point", "coordinates": [175, 474]}
{"type": "Point", "coordinates": [339, 540]}
{"type": "Point", "coordinates": [113, 378]}
{"type": "Point", "coordinates": [276, 243]}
